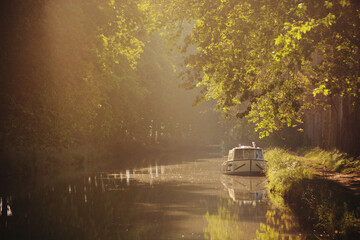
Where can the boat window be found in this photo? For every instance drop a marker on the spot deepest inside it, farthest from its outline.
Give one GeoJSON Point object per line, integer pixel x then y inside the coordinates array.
{"type": "Point", "coordinates": [231, 155]}
{"type": "Point", "coordinates": [258, 154]}
{"type": "Point", "coordinates": [238, 154]}
{"type": "Point", "coordinates": [248, 154]}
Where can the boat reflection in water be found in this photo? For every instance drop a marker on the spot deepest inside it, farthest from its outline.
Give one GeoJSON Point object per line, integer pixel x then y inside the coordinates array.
{"type": "Point", "coordinates": [242, 216]}
{"type": "Point", "coordinates": [245, 190]}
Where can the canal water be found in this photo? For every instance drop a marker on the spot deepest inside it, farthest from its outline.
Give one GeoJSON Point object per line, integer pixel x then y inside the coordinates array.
{"type": "Point", "coordinates": [163, 199]}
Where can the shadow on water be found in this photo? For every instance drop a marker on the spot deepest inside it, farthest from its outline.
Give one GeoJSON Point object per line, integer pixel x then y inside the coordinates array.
{"type": "Point", "coordinates": [325, 208]}
{"type": "Point", "coordinates": [102, 208]}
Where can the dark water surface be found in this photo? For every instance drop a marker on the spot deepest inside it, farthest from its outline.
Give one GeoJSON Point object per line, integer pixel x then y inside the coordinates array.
{"type": "Point", "coordinates": [187, 199]}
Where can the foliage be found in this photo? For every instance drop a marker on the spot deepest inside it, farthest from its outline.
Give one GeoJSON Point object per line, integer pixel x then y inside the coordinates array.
{"type": "Point", "coordinates": [334, 160]}
{"type": "Point", "coordinates": [284, 169]}
{"type": "Point", "coordinates": [59, 71]}
{"type": "Point", "coordinates": [269, 60]}
{"type": "Point", "coordinates": [323, 207]}
{"type": "Point", "coordinates": [97, 73]}
{"type": "Point", "coordinates": [87, 73]}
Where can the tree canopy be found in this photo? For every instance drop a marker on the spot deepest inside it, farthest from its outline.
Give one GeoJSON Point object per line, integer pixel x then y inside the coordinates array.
{"type": "Point", "coordinates": [96, 72]}
{"type": "Point", "coordinates": [270, 60]}
{"type": "Point", "coordinates": [88, 72]}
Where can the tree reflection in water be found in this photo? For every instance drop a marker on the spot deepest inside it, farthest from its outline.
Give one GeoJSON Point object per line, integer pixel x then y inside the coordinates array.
{"type": "Point", "coordinates": [228, 224]}
{"type": "Point", "coordinates": [249, 214]}
{"type": "Point", "coordinates": [279, 225]}
{"type": "Point", "coordinates": [224, 224]}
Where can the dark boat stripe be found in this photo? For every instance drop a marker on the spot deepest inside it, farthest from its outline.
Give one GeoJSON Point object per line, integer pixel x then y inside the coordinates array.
{"type": "Point", "coordinates": [259, 166]}
{"type": "Point", "coordinates": [239, 167]}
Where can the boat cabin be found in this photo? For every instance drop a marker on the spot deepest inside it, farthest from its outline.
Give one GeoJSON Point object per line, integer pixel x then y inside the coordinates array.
{"type": "Point", "coordinates": [243, 153]}
{"type": "Point", "coordinates": [245, 160]}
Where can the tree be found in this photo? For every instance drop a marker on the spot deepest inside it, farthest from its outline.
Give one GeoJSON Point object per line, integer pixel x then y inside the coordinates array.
{"type": "Point", "coordinates": [270, 60]}
{"type": "Point", "coordinates": [72, 75]}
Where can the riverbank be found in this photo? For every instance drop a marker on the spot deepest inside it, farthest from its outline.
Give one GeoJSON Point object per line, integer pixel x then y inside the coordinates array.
{"type": "Point", "coordinates": [324, 207]}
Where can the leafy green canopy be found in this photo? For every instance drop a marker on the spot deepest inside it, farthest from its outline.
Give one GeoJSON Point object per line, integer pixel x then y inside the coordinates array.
{"type": "Point", "coordinates": [89, 73]}
{"type": "Point", "coordinates": [68, 70]}
{"type": "Point", "coordinates": [269, 60]}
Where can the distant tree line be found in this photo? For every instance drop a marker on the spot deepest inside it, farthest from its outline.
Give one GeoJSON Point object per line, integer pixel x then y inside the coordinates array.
{"type": "Point", "coordinates": [89, 73]}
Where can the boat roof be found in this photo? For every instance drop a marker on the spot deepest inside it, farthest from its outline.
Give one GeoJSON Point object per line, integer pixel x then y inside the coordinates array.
{"type": "Point", "coordinates": [247, 147]}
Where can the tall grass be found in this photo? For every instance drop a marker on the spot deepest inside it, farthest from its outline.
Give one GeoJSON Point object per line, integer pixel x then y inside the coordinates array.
{"type": "Point", "coordinates": [334, 160]}
{"type": "Point", "coordinates": [284, 169]}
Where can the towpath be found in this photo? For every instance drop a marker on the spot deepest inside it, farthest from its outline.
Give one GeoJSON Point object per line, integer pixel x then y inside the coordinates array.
{"type": "Point", "coordinates": [351, 181]}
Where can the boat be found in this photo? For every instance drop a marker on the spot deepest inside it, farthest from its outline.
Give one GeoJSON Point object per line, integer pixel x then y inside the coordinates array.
{"type": "Point", "coordinates": [245, 161]}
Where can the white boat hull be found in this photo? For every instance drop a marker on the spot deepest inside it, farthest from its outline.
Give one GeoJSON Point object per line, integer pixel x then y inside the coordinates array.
{"type": "Point", "coordinates": [246, 167]}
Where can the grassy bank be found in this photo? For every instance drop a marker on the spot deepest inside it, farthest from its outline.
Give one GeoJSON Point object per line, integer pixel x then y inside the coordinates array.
{"type": "Point", "coordinates": [333, 160]}
{"type": "Point", "coordinates": [324, 208]}
{"type": "Point", "coordinates": [284, 170]}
